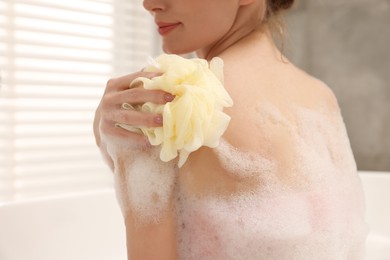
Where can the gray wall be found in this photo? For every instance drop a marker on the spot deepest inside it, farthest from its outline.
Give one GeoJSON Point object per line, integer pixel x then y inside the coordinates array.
{"type": "Point", "coordinates": [346, 43]}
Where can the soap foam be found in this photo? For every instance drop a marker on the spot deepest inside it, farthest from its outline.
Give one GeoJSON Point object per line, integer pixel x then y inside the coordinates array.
{"type": "Point", "coordinates": [243, 164]}
{"type": "Point", "coordinates": [144, 184]}
{"type": "Point", "coordinates": [320, 216]}
{"type": "Point", "coordinates": [310, 225]}
{"type": "Point", "coordinates": [150, 185]}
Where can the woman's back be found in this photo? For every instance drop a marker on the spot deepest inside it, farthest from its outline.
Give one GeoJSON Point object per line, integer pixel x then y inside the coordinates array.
{"type": "Point", "coordinates": [283, 183]}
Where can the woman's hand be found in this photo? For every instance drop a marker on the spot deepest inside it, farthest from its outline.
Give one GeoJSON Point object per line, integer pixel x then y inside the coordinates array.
{"type": "Point", "coordinates": [110, 111]}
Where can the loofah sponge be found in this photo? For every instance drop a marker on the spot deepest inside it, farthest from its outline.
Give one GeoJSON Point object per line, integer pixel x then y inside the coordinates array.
{"type": "Point", "coordinates": [195, 117]}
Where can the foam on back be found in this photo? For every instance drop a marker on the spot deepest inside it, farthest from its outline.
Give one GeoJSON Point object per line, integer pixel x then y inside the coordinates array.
{"type": "Point", "coordinates": [319, 216]}
{"type": "Point", "coordinates": [245, 164]}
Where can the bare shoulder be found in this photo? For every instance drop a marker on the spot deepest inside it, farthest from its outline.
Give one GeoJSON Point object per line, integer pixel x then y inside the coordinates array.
{"type": "Point", "coordinates": [281, 83]}
{"type": "Point", "coordinates": [262, 123]}
{"type": "Point", "coordinates": [265, 100]}
{"type": "Point", "coordinates": [314, 91]}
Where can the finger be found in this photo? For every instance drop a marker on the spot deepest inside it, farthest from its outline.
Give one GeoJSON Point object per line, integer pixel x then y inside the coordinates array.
{"type": "Point", "coordinates": [134, 118]}
{"type": "Point", "coordinates": [140, 96]}
{"type": "Point", "coordinates": [123, 82]}
{"type": "Point", "coordinates": [108, 128]}
{"type": "Point", "coordinates": [115, 100]}
{"type": "Point", "coordinates": [130, 128]}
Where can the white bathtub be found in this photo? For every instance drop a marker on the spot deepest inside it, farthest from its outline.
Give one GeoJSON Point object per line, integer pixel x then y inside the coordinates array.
{"type": "Point", "coordinates": [377, 191]}
{"type": "Point", "coordinates": [88, 226]}
{"type": "Point", "coordinates": [83, 226]}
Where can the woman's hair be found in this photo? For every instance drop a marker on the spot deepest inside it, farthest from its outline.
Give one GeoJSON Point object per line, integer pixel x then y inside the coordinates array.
{"type": "Point", "coordinates": [274, 21]}
{"type": "Point", "coordinates": [275, 6]}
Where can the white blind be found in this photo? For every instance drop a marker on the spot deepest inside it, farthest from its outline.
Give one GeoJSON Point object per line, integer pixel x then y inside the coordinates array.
{"type": "Point", "coordinates": [56, 56]}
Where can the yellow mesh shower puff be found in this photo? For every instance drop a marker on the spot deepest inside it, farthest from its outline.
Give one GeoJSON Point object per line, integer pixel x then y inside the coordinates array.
{"type": "Point", "coordinates": [195, 117]}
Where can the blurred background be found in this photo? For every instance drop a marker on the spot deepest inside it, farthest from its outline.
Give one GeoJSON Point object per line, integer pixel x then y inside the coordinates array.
{"type": "Point", "coordinates": [55, 59]}
{"type": "Point", "coordinates": [345, 43]}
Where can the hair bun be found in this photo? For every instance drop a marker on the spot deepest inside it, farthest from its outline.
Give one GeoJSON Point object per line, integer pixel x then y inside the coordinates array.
{"type": "Point", "coordinates": [277, 5]}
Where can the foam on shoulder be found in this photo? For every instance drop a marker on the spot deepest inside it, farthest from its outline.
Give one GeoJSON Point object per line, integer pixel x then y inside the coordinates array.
{"type": "Point", "coordinates": [143, 183]}
{"type": "Point", "coordinates": [320, 217]}
{"type": "Point", "coordinates": [243, 164]}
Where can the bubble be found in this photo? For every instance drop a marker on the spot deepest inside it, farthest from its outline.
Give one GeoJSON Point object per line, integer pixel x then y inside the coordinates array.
{"type": "Point", "coordinates": [282, 226]}
{"type": "Point", "coordinates": [243, 164]}
{"type": "Point", "coordinates": [150, 185]}
{"type": "Point", "coordinates": [143, 183]}
{"type": "Point", "coordinates": [309, 206]}
{"type": "Point", "coordinates": [319, 214]}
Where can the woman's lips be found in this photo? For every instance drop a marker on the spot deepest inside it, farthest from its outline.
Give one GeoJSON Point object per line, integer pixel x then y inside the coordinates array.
{"type": "Point", "coordinates": [165, 28]}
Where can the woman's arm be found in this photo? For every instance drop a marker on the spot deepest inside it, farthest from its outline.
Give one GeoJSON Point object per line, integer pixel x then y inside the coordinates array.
{"type": "Point", "coordinates": [121, 149]}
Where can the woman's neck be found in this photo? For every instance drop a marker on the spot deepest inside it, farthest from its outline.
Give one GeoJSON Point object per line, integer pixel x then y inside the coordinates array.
{"type": "Point", "coordinates": [231, 39]}
{"type": "Point", "coordinates": [249, 21]}
{"type": "Point", "coordinates": [257, 41]}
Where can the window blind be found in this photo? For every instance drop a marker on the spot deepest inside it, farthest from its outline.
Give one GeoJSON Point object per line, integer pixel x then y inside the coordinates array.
{"type": "Point", "coordinates": [55, 58]}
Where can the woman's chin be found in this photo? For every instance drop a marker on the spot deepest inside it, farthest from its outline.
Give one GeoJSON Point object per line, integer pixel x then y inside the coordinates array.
{"type": "Point", "coordinates": [179, 50]}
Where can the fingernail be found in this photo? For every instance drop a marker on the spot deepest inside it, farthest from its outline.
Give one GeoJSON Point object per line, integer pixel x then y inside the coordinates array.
{"type": "Point", "coordinates": [158, 120]}
{"type": "Point", "coordinates": [169, 97]}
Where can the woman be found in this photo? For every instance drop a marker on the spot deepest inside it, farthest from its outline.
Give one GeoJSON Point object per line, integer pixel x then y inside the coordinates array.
{"type": "Point", "coordinates": [282, 184]}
